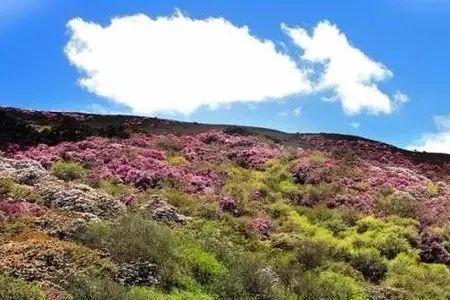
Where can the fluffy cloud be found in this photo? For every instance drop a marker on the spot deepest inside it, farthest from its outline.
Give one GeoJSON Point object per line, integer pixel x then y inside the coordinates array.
{"type": "Point", "coordinates": [178, 64]}
{"type": "Point", "coordinates": [347, 71]}
{"type": "Point", "coordinates": [438, 141]}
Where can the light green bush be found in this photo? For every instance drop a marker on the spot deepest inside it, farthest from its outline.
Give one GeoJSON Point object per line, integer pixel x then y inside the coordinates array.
{"type": "Point", "coordinates": [334, 286]}
{"type": "Point", "coordinates": [142, 293]}
{"type": "Point", "coordinates": [68, 170]}
{"type": "Point", "coordinates": [418, 280]}
{"type": "Point", "coordinates": [17, 289]}
{"type": "Point", "coordinates": [203, 265]}
{"type": "Point", "coordinates": [115, 189]}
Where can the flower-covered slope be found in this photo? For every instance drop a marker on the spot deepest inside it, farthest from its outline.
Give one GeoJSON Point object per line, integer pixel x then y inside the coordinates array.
{"type": "Point", "coordinates": [125, 212]}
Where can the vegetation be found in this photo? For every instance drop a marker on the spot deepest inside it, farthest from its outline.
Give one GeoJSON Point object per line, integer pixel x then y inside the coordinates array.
{"type": "Point", "coordinates": [17, 289]}
{"type": "Point", "coordinates": [219, 216]}
{"type": "Point", "coordinates": [67, 170]}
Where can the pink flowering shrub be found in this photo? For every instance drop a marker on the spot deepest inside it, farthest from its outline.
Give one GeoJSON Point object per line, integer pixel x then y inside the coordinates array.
{"type": "Point", "coordinates": [14, 208]}
{"type": "Point", "coordinates": [141, 159]}
{"type": "Point", "coordinates": [254, 157]}
{"type": "Point", "coordinates": [228, 204]}
{"type": "Point", "coordinates": [262, 226]}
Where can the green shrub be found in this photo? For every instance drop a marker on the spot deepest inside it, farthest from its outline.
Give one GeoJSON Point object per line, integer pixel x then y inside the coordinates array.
{"type": "Point", "coordinates": [418, 280]}
{"type": "Point", "coordinates": [203, 265]}
{"type": "Point", "coordinates": [26, 193]}
{"type": "Point", "coordinates": [328, 218]}
{"type": "Point", "coordinates": [370, 264]}
{"type": "Point", "coordinates": [17, 289]}
{"type": "Point", "coordinates": [115, 189]}
{"type": "Point", "coordinates": [167, 144]}
{"type": "Point", "coordinates": [177, 160]}
{"type": "Point", "coordinates": [400, 204]}
{"type": "Point", "coordinates": [142, 293]}
{"type": "Point", "coordinates": [9, 188]}
{"type": "Point", "coordinates": [433, 189]}
{"type": "Point", "coordinates": [390, 235]}
{"type": "Point", "coordinates": [183, 201]}
{"type": "Point", "coordinates": [327, 285]}
{"type": "Point", "coordinates": [95, 288]}
{"type": "Point", "coordinates": [249, 278]}
{"type": "Point", "coordinates": [133, 238]}
{"type": "Point", "coordinates": [6, 185]}
{"type": "Point", "coordinates": [312, 254]}
{"type": "Point", "coordinates": [68, 170]}
{"type": "Point", "coordinates": [96, 234]}
{"type": "Point", "coordinates": [334, 286]}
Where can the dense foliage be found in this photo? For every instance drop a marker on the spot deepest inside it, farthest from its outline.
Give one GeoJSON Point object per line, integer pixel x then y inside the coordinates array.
{"type": "Point", "coordinates": [221, 215]}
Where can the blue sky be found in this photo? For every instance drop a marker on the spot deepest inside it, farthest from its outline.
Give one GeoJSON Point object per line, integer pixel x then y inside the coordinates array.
{"type": "Point", "coordinates": [405, 45]}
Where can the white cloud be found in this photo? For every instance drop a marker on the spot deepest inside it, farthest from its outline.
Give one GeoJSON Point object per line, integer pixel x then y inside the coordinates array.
{"type": "Point", "coordinates": [355, 125]}
{"type": "Point", "coordinates": [296, 112]}
{"type": "Point", "coordinates": [438, 141]}
{"type": "Point", "coordinates": [347, 71]}
{"type": "Point", "coordinates": [400, 97]}
{"type": "Point", "coordinates": [178, 64]}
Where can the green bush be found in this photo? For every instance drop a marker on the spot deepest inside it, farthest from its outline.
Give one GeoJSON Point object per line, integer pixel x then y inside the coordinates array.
{"type": "Point", "coordinates": [400, 204]}
{"type": "Point", "coordinates": [116, 189]}
{"type": "Point", "coordinates": [418, 280]}
{"type": "Point", "coordinates": [370, 264]}
{"type": "Point", "coordinates": [17, 289]}
{"type": "Point", "coordinates": [390, 235]}
{"type": "Point", "coordinates": [95, 288]}
{"type": "Point", "coordinates": [328, 218]}
{"type": "Point", "coordinates": [143, 293]}
{"type": "Point", "coordinates": [6, 185]}
{"type": "Point", "coordinates": [167, 144]}
{"type": "Point", "coordinates": [183, 201]}
{"type": "Point", "coordinates": [9, 188]}
{"type": "Point", "coordinates": [177, 160]}
{"type": "Point", "coordinates": [203, 265]}
{"type": "Point", "coordinates": [133, 238]}
{"type": "Point", "coordinates": [249, 277]}
{"type": "Point", "coordinates": [312, 254]}
{"type": "Point", "coordinates": [334, 286]}
{"type": "Point", "coordinates": [68, 170]}
{"type": "Point", "coordinates": [327, 285]}
{"type": "Point", "coordinates": [26, 193]}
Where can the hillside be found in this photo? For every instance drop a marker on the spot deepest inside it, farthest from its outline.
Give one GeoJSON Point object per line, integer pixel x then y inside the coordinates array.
{"type": "Point", "coordinates": [126, 207]}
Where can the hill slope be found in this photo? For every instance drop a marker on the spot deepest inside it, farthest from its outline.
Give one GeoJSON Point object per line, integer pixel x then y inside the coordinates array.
{"type": "Point", "coordinates": [124, 207]}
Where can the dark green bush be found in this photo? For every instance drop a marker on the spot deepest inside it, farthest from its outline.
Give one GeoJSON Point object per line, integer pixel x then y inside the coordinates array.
{"type": "Point", "coordinates": [134, 238]}
{"type": "Point", "coordinates": [401, 204]}
{"type": "Point", "coordinates": [249, 278]}
{"type": "Point", "coordinates": [312, 254]}
{"type": "Point", "coordinates": [370, 264]}
{"type": "Point", "coordinates": [167, 144]}
{"type": "Point", "coordinates": [95, 288]}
